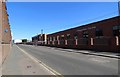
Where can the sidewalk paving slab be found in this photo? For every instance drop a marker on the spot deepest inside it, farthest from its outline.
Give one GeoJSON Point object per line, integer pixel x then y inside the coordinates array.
{"type": "Point", "coordinates": [18, 63]}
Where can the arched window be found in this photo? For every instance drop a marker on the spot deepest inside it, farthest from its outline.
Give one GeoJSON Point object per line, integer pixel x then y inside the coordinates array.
{"type": "Point", "coordinates": [75, 36]}
{"type": "Point", "coordinates": [68, 36]}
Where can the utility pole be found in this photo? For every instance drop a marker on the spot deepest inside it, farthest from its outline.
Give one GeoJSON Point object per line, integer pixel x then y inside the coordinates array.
{"type": "Point", "coordinates": [41, 31]}
{"type": "Point", "coordinates": [42, 35]}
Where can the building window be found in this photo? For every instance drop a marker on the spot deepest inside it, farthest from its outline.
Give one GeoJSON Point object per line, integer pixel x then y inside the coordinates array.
{"type": "Point", "coordinates": [75, 35]}
{"type": "Point", "coordinates": [85, 34]}
{"type": "Point", "coordinates": [99, 33]}
{"type": "Point", "coordinates": [116, 30]}
{"type": "Point", "coordinates": [50, 38]}
{"type": "Point", "coordinates": [68, 36]}
{"type": "Point", "coordinates": [62, 36]}
{"type": "Point", "coordinates": [54, 38]}
{"type": "Point", "coordinates": [6, 30]}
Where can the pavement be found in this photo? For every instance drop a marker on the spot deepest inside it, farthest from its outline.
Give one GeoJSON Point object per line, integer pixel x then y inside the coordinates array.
{"type": "Point", "coordinates": [6, 48]}
{"type": "Point", "coordinates": [70, 63]}
{"type": "Point", "coordinates": [0, 59]}
{"type": "Point", "coordinates": [89, 52]}
{"type": "Point", "coordinates": [19, 63]}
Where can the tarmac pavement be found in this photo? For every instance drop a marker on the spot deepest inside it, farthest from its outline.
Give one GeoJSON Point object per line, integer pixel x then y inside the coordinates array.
{"type": "Point", "coordinates": [96, 53]}
{"type": "Point", "coordinates": [64, 63]}
{"type": "Point", "coordinates": [70, 63]}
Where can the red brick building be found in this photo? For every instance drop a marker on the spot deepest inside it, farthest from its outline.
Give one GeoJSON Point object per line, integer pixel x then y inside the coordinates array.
{"type": "Point", "coordinates": [5, 32]}
{"type": "Point", "coordinates": [101, 36]}
{"type": "Point", "coordinates": [40, 39]}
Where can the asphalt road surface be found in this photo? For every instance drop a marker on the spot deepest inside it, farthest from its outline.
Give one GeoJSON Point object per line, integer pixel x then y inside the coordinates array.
{"type": "Point", "coordinates": [70, 63]}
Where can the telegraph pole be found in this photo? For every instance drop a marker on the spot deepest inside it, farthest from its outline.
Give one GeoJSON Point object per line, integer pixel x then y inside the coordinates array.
{"type": "Point", "coordinates": [42, 35]}
{"type": "Point", "coordinates": [41, 31]}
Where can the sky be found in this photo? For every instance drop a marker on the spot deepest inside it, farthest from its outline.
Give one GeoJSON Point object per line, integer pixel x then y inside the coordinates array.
{"type": "Point", "coordinates": [28, 18]}
{"type": "Point", "coordinates": [62, 0]}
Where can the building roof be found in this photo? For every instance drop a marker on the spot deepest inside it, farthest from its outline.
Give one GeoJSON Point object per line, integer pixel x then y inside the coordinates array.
{"type": "Point", "coordinates": [87, 24]}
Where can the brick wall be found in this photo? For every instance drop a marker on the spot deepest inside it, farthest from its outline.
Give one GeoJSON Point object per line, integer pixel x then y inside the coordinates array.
{"type": "Point", "coordinates": [5, 32]}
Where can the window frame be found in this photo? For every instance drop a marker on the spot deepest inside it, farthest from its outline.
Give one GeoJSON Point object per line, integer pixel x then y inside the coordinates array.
{"type": "Point", "coordinates": [99, 33]}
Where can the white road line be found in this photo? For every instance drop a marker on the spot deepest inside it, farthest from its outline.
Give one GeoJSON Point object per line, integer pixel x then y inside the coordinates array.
{"type": "Point", "coordinates": [42, 64]}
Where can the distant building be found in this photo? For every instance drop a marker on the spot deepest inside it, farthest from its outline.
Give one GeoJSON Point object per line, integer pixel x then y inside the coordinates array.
{"type": "Point", "coordinates": [41, 38]}
{"type": "Point", "coordinates": [24, 40]}
{"type": "Point", "coordinates": [18, 41]}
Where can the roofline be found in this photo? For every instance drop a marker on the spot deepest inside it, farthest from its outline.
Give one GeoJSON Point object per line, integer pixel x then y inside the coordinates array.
{"type": "Point", "coordinates": [86, 24]}
{"type": "Point", "coordinates": [37, 35]}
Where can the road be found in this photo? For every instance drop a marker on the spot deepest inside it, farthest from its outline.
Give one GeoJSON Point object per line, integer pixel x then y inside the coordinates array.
{"type": "Point", "coordinates": [70, 63]}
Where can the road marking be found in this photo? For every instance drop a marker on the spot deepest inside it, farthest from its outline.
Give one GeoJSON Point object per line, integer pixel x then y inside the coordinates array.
{"type": "Point", "coordinates": [42, 64]}
{"type": "Point", "coordinates": [99, 60]}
